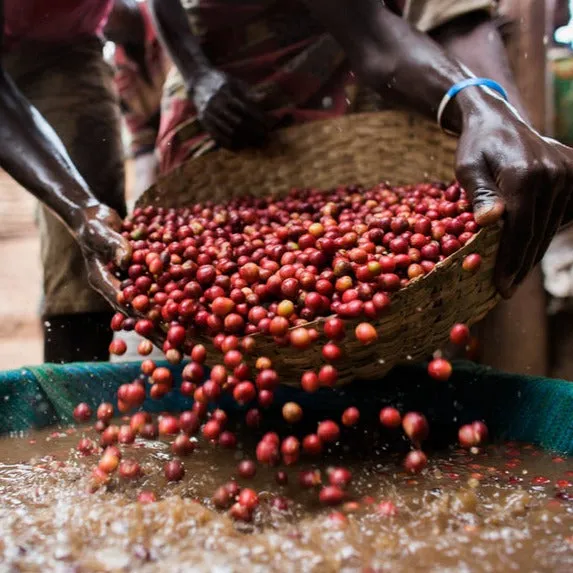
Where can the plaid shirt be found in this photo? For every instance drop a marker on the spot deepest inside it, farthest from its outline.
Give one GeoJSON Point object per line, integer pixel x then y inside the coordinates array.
{"type": "Point", "coordinates": [140, 97]}
{"type": "Point", "coordinates": [298, 73]}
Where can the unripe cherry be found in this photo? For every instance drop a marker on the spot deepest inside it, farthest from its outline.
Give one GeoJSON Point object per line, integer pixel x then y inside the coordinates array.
{"type": "Point", "coordinates": [292, 412]}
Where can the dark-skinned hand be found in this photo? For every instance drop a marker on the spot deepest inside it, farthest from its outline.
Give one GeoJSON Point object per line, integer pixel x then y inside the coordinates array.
{"type": "Point", "coordinates": [513, 173]}
{"type": "Point", "coordinates": [227, 112]}
{"type": "Point", "coordinates": [101, 243]}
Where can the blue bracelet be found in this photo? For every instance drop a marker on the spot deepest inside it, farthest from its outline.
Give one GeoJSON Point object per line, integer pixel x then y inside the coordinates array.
{"type": "Point", "coordinates": [457, 88]}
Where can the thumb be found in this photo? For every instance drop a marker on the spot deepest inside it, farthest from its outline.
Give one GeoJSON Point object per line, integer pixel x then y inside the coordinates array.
{"type": "Point", "coordinates": [106, 243]}
{"type": "Point", "coordinates": [121, 250]}
{"type": "Point", "coordinates": [475, 177]}
{"type": "Point", "coordinates": [488, 207]}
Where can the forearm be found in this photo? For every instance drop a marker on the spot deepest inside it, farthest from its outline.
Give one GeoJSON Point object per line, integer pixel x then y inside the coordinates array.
{"type": "Point", "coordinates": [403, 65]}
{"type": "Point", "coordinates": [183, 47]}
{"type": "Point", "coordinates": [33, 155]}
{"type": "Point", "coordinates": [475, 41]}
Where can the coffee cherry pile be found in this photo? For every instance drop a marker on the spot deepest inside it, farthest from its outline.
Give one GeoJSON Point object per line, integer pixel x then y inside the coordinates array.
{"type": "Point", "coordinates": [271, 267]}
{"type": "Point", "coordinates": [265, 266]}
{"type": "Point", "coordinates": [255, 268]}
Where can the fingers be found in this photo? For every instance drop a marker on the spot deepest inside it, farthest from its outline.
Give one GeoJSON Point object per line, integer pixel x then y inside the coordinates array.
{"type": "Point", "coordinates": [547, 184]}
{"type": "Point", "coordinates": [525, 179]}
{"type": "Point", "coordinates": [112, 246]}
{"type": "Point", "coordinates": [567, 188]}
{"type": "Point", "coordinates": [567, 218]}
{"type": "Point", "coordinates": [514, 256]}
{"type": "Point", "coordinates": [121, 251]}
{"type": "Point", "coordinates": [475, 176]}
{"type": "Point", "coordinates": [488, 207]}
{"type": "Point", "coordinates": [242, 102]}
{"type": "Point", "coordinates": [233, 119]}
{"type": "Point", "coordinates": [221, 131]}
{"type": "Point", "coordinates": [252, 126]}
{"type": "Point", "coordinates": [516, 245]}
{"type": "Point", "coordinates": [103, 281]}
{"type": "Point", "coordinates": [558, 208]}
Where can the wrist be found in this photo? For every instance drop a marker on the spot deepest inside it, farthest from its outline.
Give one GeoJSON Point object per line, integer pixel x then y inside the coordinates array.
{"type": "Point", "coordinates": [83, 214]}
{"type": "Point", "coordinates": [205, 86]}
{"type": "Point", "coordinates": [194, 79]}
{"type": "Point", "coordinates": [470, 105]}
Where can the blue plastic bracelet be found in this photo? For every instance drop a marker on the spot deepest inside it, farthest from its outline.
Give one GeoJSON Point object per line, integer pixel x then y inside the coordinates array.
{"type": "Point", "coordinates": [457, 88]}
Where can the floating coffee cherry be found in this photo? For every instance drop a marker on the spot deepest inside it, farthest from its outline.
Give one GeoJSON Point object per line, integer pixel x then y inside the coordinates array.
{"type": "Point", "coordinates": [440, 369]}
{"type": "Point", "coordinates": [460, 334]}
{"type": "Point", "coordinates": [415, 427]}
{"type": "Point", "coordinates": [390, 417]}
{"type": "Point", "coordinates": [415, 461]}
{"type": "Point", "coordinates": [350, 416]}
{"type": "Point", "coordinates": [82, 412]}
{"type": "Point", "coordinates": [174, 470]}
{"type": "Point", "coordinates": [331, 495]}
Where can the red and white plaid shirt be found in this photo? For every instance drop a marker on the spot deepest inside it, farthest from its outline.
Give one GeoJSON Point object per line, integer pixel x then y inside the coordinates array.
{"type": "Point", "coordinates": [140, 96]}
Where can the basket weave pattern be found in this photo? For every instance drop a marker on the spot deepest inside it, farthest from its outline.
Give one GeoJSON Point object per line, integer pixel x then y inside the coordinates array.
{"type": "Point", "coordinates": [365, 149]}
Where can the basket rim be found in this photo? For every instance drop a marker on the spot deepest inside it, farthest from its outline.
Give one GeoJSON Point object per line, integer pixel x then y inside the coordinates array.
{"type": "Point", "coordinates": [350, 124]}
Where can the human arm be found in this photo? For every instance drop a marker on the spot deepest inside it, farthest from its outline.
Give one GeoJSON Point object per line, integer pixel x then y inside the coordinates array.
{"type": "Point", "coordinates": [223, 104]}
{"type": "Point", "coordinates": [33, 155]}
{"type": "Point", "coordinates": [126, 27]}
{"type": "Point", "coordinates": [506, 166]}
{"type": "Point", "coordinates": [474, 40]}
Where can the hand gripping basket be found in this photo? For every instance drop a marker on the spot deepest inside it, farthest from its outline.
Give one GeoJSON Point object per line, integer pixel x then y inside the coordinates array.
{"type": "Point", "coordinates": [358, 149]}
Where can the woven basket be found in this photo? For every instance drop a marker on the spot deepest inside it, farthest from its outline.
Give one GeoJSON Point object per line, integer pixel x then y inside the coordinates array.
{"type": "Point", "coordinates": [366, 149]}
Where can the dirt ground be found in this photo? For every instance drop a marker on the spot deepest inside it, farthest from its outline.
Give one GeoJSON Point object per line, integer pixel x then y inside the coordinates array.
{"type": "Point", "coordinates": [21, 275]}
{"type": "Point", "coordinates": [20, 278]}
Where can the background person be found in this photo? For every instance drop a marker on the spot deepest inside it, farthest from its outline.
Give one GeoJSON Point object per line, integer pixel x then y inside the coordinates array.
{"type": "Point", "coordinates": [61, 141]}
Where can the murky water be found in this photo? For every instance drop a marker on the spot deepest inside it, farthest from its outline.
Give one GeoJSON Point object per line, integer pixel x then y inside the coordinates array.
{"type": "Point", "coordinates": [507, 508]}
